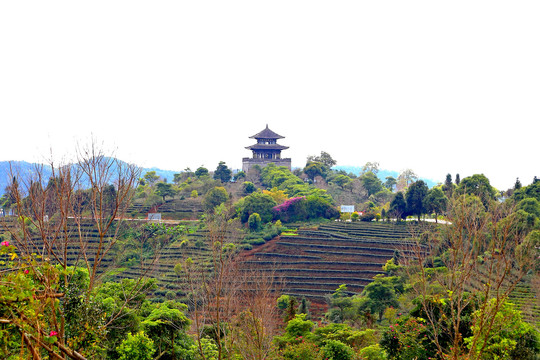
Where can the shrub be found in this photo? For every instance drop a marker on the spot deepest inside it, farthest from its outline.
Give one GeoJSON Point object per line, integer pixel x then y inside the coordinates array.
{"type": "Point", "coordinates": [248, 187]}
{"type": "Point", "coordinates": [254, 222]}
{"type": "Point", "coordinates": [367, 217]}
{"type": "Point", "coordinates": [256, 203]}
{"type": "Point", "coordinates": [373, 352]}
{"type": "Point", "coordinates": [136, 347]}
{"type": "Point", "coordinates": [258, 241]}
{"type": "Point", "coordinates": [336, 350]}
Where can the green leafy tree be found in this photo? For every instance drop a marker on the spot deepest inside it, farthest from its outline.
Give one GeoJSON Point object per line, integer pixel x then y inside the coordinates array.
{"type": "Point", "coordinates": [165, 189]}
{"type": "Point", "coordinates": [478, 185]}
{"type": "Point", "coordinates": [517, 185]}
{"type": "Point", "coordinates": [398, 206]}
{"type": "Point", "coordinates": [436, 202]}
{"type": "Point", "coordinates": [151, 178]}
{"type": "Point", "coordinates": [201, 172]}
{"type": "Point", "coordinates": [381, 294]}
{"type": "Point", "coordinates": [136, 347]}
{"type": "Point", "coordinates": [324, 158]}
{"type": "Point", "coordinates": [371, 183]}
{"type": "Point", "coordinates": [390, 183]}
{"type": "Point", "coordinates": [254, 222]}
{"type": "Point", "coordinates": [259, 203]}
{"type": "Point", "coordinates": [215, 197]}
{"type": "Point", "coordinates": [314, 169]}
{"type": "Point", "coordinates": [342, 181]}
{"type": "Point", "coordinates": [223, 173]}
{"type": "Point", "coordinates": [248, 187]}
{"type": "Point", "coordinates": [448, 186]}
{"type": "Point", "coordinates": [336, 350]}
{"type": "Point", "coordinates": [415, 198]}
{"type": "Point", "coordinates": [530, 191]}
{"type": "Point", "coordinates": [504, 340]}
{"type": "Point", "coordinates": [166, 324]}
{"type": "Point", "coordinates": [239, 175]}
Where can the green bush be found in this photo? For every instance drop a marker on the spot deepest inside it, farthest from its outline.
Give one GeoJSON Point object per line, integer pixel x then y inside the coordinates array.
{"type": "Point", "coordinates": [136, 347]}
{"type": "Point", "coordinates": [258, 241]}
{"type": "Point", "coordinates": [336, 350]}
{"type": "Point", "coordinates": [373, 352]}
{"type": "Point", "coordinates": [254, 222]}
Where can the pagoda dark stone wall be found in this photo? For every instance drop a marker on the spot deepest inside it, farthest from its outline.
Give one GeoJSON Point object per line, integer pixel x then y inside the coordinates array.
{"type": "Point", "coordinates": [248, 163]}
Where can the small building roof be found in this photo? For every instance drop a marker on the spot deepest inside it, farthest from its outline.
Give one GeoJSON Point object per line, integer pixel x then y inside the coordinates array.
{"type": "Point", "coordinates": [266, 134]}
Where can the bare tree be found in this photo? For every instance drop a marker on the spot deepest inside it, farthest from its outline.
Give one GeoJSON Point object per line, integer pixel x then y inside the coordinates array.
{"type": "Point", "coordinates": [257, 319]}
{"type": "Point", "coordinates": [214, 291]}
{"type": "Point", "coordinates": [56, 217]}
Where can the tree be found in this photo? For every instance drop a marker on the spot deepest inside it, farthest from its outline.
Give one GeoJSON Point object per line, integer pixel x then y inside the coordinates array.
{"type": "Point", "coordinates": [435, 202]}
{"type": "Point", "coordinates": [341, 180]}
{"type": "Point", "coordinates": [201, 172]}
{"type": "Point", "coordinates": [214, 286]}
{"type": "Point", "coordinates": [314, 169]}
{"type": "Point", "coordinates": [448, 186]}
{"type": "Point", "coordinates": [254, 222]}
{"type": "Point", "coordinates": [239, 175]}
{"type": "Point", "coordinates": [164, 190]}
{"type": "Point", "coordinates": [166, 324]}
{"type": "Point", "coordinates": [248, 187]}
{"type": "Point", "coordinates": [136, 347]}
{"type": "Point", "coordinates": [259, 203]}
{"type": "Point", "coordinates": [151, 178]}
{"type": "Point", "coordinates": [215, 197]}
{"type": "Point", "coordinates": [517, 185]}
{"type": "Point", "coordinates": [223, 173]}
{"type": "Point", "coordinates": [398, 206]}
{"type": "Point", "coordinates": [406, 178]}
{"type": "Point", "coordinates": [324, 158]}
{"type": "Point", "coordinates": [380, 294]}
{"type": "Point", "coordinates": [415, 198]}
{"type": "Point", "coordinates": [478, 185]}
{"type": "Point", "coordinates": [372, 167]}
{"type": "Point", "coordinates": [371, 183]}
{"type": "Point", "coordinates": [457, 180]}
{"type": "Point", "coordinates": [390, 183]}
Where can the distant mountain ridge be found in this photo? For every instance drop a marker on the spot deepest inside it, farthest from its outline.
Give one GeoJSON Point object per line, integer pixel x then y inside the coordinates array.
{"type": "Point", "coordinates": [25, 168]}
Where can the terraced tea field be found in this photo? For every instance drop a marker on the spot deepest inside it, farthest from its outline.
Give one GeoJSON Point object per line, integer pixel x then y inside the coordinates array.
{"type": "Point", "coordinates": [315, 262]}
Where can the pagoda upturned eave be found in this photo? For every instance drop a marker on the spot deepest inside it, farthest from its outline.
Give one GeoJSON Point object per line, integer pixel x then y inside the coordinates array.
{"type": "Point", "coordinates": [267, 147]}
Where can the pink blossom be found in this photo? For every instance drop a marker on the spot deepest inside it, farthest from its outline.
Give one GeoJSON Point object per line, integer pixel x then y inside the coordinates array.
{"type": "Point", "coordinates": [53, 333]}
{"type": "Point", "coordinates": [26, 271]}
{"type": "Point", "coordinates": [5, 243]}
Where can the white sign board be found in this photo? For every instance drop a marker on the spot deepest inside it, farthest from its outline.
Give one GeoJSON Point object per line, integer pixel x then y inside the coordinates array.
{"type": "Point", "coordinates": [154, 216]}
{"type": "Point", "coordinates": [347, 208]}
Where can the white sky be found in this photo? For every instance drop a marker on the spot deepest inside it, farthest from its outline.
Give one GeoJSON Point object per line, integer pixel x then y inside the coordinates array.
{"type": "Point", "coordinates": [438, 87]}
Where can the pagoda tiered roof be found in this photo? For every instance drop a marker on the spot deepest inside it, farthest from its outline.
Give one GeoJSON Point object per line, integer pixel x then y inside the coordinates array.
{"type": "Point", "coordinates": [267, 147]}
{"type": "Point", "coordinates": [266, 134]}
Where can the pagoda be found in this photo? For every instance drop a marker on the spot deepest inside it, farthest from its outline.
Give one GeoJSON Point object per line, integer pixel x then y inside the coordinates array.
{"type": "Point", "coordinates": [266, 151]}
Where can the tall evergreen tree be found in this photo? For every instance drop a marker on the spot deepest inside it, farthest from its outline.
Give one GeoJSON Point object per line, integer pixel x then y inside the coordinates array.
{"type": "Point", "coordinates": [415, 198]}
{"type": "Point", "coordinates": [517, 185]}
